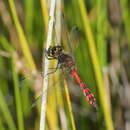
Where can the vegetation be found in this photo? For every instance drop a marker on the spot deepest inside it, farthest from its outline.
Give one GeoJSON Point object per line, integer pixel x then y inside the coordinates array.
{"type": "Point", "coordinates": [95, 33]}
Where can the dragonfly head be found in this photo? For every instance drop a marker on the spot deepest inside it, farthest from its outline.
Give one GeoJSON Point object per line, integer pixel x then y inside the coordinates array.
{"type": "Point", "coordinates": [54, 51]}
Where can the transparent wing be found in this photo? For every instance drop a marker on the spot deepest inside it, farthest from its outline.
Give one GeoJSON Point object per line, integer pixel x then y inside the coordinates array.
{"type": "Point", "coordinates": [37, 85]}
{"type": "Point", "coordinates": [70, 37]}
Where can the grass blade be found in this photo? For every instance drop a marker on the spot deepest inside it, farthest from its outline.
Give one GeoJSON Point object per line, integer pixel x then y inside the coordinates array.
{"type": "Point", "coordinates": [23, 40]}
{"type": "Point", "coordinates": [96, 66]}
{"type": "Point", "coordinates": [101, 31]}
{"type": "Point", "coordinates": [69, 105]}
{"type": "Point", "coordinates": [45, 13]}
{"type": "Point", "coordinates": [17, 95]}
{"type": "Point", "coordinates": [7, 115]}
{"type": "Point", "coordinates": [29, 15]}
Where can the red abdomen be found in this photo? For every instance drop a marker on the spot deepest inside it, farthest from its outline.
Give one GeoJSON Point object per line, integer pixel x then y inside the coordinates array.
{"type": "Point", "coordinates": [86, 91]}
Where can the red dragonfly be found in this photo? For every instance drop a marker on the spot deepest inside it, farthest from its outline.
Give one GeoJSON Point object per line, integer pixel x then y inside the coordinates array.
{"type": "Point", "coordinates": [66, 61]}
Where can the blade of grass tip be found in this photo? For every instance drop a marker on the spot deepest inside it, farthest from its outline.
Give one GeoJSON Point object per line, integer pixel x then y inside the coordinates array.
{"type": "Point", "coordinates": [45, 13]}
{"type": "Point", "coordinates": [23, 40]}
{"type": "Point", "coordinates": [69, 102]}
{"type": "Point", "coordinates": [46, 64]}
{"type": "Point", "coordinates": [126, 18]}
{"type": "Point", "coordinates": [6, 113]}
{"type": "Point", "coordinates": [17, 95]}
{"type": "Point", "coordinates": [101, 31]}
{"type": "Point", "coordinates": [97, 69]}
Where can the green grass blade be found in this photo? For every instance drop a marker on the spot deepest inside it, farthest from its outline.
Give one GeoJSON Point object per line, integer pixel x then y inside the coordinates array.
{"type": "Point", "coordinates": [17, 95]}
{"type": "Point", "coordinates": [29, 15]}
{"type": "Point", "coordinates": [69, 105]}
{"type": "Point", "coordinates": [23, 40]}
{"type": "Point", "coordinates": [101, 31]}
{"type": "Point", "coordinates": [96, 66]}
{"type": "Point", "coordinates": [6, 113]}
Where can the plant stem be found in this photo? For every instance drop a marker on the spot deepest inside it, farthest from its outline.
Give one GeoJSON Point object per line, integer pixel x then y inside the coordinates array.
{"type": "Point", "coordinates": [23, 40]}
{"type": "Point", "coordinates": [96, 66]}
{"type": "Point", "coordinates": [46, 65]}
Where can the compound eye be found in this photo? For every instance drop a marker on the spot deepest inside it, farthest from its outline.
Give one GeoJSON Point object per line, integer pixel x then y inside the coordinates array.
{"type": "Point", "coordinates": [49, 51]}
{"type": "Point", "coordinates": [54, 49]}
{"type": "Point", "coordinates": [59, 48]}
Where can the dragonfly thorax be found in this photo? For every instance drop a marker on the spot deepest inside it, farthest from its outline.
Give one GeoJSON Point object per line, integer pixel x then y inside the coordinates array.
{"type": "Point", "coordinates": [56, 52]}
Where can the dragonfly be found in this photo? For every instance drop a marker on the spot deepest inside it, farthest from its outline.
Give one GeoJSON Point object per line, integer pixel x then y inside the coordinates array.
{"type": "Point", "coordinates": [66, 61]}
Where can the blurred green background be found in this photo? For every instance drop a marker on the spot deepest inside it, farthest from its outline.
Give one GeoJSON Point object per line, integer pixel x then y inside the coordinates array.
{"type": "Point", "coordinates": [98, 33]}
